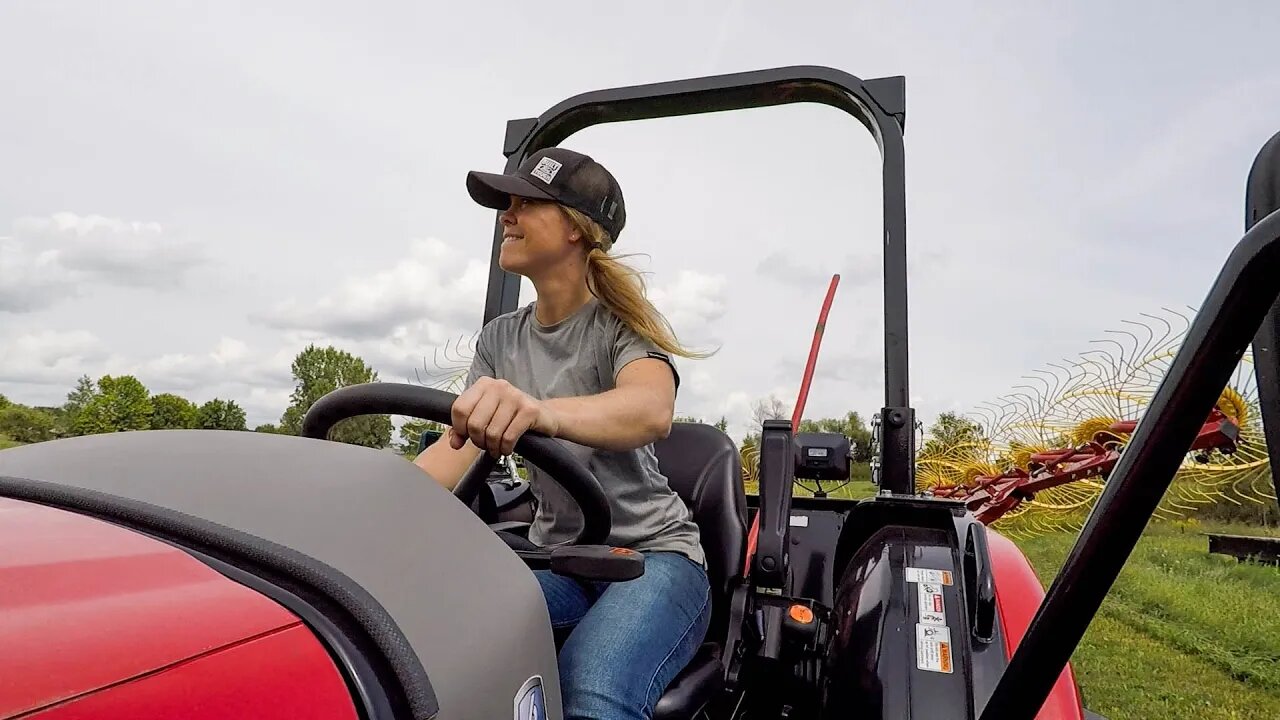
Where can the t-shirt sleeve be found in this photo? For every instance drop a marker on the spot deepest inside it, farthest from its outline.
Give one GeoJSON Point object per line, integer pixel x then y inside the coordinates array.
{"type": "Point", "coordinates": [629, 345]}
{"type": "Point", "coordinates": [482, 362]}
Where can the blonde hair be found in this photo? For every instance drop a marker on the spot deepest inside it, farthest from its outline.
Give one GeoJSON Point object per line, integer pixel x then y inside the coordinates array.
{"type": "Point", "coordinates": [621, 288]}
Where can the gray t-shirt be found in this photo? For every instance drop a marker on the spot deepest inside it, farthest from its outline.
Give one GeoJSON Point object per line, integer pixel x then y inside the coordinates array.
{"type": "Point", "coordinates": [582, 355]}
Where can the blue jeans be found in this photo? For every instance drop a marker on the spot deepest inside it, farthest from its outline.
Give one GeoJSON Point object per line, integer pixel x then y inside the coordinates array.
{"type": "Point", "coordinates": [627, 640]}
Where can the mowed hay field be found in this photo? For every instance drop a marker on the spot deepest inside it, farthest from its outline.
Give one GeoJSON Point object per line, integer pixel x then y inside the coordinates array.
{"type": "Point", "coordinates": [1182, 634]}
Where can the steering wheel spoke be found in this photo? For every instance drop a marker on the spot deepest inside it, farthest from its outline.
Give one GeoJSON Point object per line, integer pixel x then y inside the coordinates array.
{"type": "Point", "coordinates": [474, 479]}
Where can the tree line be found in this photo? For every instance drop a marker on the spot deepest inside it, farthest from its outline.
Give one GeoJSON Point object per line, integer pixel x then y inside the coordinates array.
{"type": "Point", "coordinates": [113, 404]}
{"type": "Point", "coordinates": [120, 403]}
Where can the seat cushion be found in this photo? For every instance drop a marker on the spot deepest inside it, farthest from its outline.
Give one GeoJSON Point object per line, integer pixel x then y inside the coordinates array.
{"type": "Point", "coordinates": [694, 687]}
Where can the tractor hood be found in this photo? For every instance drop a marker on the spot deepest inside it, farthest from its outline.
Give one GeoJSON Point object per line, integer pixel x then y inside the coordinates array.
{"type": "Point", "coordinates": [85, 604]}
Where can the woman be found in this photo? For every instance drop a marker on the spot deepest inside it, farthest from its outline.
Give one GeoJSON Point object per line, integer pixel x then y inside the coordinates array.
{"type": "Point", "coordinates": [589, 362]}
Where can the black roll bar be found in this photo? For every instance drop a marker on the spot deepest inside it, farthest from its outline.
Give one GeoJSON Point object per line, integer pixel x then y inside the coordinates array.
{"type": "Point", "coordinates": [1262, 197]}
{"type": "Point", "coordinates": [1244, 292]}
{"type": "Point", "coordinates": [879, 104]}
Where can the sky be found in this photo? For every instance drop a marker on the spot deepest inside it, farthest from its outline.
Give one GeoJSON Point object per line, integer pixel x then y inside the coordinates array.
{"type": "Point", "coordinates": [193, 192]}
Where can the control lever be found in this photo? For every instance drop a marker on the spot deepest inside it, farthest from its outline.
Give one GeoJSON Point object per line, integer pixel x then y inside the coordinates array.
{"type": "Point", "coordinates": [777, 474]}
{"type": "Point", "coordinates": [980, 586]}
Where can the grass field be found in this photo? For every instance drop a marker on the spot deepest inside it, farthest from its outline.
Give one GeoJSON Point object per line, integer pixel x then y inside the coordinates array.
{"type": "Point", "coordinates": [1183, 634]}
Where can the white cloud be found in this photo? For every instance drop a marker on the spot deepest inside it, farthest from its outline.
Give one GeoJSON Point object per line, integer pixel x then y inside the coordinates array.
{"type": "Point", "coordinates": [262, 405]}
{"type": "Point", "coordinates": [50, 356]}
{"type": "Point", "coordinates": [860, 370]}
{"type": "Point", "coordinates": [433, 289]}
{"type": "Point", "coordinates": [49, 259]}
{"type": "Point", "coordinates": [692, 302]}
{"type": "Point", "coordinates": [40, 367]}
{"type": "Point", "coordinates": [30, 280]}
{"type": "Point", "coordinates": [781, 266]}
{"type": "Point", "coordinates": [230, 362]}
{"type": "Point", "coordinates": [799, 270]}
{"type": "Point", "coordinates": [1173, 155]}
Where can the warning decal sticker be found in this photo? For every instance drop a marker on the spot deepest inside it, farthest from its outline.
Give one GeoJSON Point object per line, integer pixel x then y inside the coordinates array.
{"type": "Point", "coordinates": [920, 575]}
{"type": "Point", "coordinates": [933, 648]}
{"type": "Point", "coordinates": [932, 611]}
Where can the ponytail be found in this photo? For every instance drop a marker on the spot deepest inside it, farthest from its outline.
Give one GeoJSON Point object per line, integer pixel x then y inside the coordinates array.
{"type": "Point", "coordinates": [621, 288]}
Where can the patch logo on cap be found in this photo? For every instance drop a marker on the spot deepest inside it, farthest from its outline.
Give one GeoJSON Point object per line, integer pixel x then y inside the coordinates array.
{"type": "Point", "coordinates": [546, 170]}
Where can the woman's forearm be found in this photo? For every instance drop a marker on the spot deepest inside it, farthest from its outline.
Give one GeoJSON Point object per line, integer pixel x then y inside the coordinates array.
{"type": "Point", "coordinates": [621, 419]}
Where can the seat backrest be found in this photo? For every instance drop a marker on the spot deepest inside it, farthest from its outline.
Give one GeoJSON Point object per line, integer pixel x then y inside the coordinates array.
{"type": "Point", "coordinates": [703, 466]}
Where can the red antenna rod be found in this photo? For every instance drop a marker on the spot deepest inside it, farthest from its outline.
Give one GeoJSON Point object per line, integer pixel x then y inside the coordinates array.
{"type": "Point", "coordinates": [813, 354]}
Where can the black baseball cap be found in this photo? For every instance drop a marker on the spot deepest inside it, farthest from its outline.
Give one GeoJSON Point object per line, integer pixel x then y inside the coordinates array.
{"type": "Point", "coordinates": [563, 176]}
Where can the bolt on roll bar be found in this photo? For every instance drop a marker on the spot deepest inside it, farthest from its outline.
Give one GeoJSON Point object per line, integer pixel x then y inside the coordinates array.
{"type": "Point", "coordinates": [1245, 291]}
{"type": "Point", "coordinates": [879, 104]}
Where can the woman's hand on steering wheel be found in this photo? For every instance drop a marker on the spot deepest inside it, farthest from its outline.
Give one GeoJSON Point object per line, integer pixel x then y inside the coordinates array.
{"type": "Point", "coordinates": [493, 414]}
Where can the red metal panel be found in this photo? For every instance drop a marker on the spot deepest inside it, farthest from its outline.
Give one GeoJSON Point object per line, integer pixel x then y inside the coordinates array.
{"type": "Point", "coordinates": [85, 604]}
{"type": "Point", "coordinates": [1018, 596]}
{"type": "Point", "coordinates": [286, 674]}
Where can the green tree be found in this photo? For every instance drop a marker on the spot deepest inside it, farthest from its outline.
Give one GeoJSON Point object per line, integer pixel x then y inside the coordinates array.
{"type": "Point", "coordinates": [271, 428]}
{"type": "Point", "coordinates": [77, 400]}
{"type": "Point", "coordinates": [25, 424]}
{"type": "Point", "coordinates": [220, 415]}
{"type": "Point", "coordinates": [172, 412]}
{"type": "Point", "coordinates": [61, 426]}
{"type": "Point", "coordinates": [723, 424]}
{"type": "Point", "coordinates": [120, 404]}
{"type": "Point", "coordinates": [319, 371]}
{"type": "Point", "coordinates": [950, 431]}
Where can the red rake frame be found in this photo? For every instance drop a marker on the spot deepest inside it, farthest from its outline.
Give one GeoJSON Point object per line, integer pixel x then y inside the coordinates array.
{"type": "Point", "coordinates": [990, 497]}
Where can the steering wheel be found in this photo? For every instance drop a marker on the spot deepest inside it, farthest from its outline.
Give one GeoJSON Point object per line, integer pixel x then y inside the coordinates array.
{"type": "Point", "coordinates": [381, 398]}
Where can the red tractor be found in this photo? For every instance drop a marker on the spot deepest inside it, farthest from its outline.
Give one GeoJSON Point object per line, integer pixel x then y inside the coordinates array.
{"type": "Point", "coordinates": [211, 574]}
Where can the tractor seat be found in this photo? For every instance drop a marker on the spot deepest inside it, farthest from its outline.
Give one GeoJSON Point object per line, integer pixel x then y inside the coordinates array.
{"type": "Point", "coordinates": [703, 466]}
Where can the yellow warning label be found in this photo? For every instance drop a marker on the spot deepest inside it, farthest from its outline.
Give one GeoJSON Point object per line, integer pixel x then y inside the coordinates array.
{"type": "Point", "coordinates": [933, 648]}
